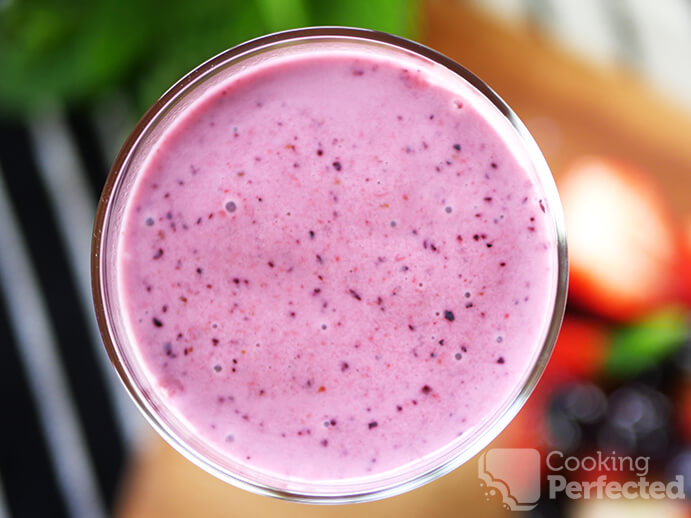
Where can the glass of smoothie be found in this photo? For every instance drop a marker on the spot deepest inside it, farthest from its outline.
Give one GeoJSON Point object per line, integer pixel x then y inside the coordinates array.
{"type": "Point", "coordinates": [329, 265]}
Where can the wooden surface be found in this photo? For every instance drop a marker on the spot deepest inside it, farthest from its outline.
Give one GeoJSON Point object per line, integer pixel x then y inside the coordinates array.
{"type": "Point", "coordinates": [572, 109]}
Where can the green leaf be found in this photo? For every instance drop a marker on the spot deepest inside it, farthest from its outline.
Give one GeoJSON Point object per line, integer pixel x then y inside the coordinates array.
{"type": "Point", "coordinates": [74, 50]}
{"type": "Point", "coordinates": [279, 15]}
{"type": "Point", "coordinates": [639, 347]}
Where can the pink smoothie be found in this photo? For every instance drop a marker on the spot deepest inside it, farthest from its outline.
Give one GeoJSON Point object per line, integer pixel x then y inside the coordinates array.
{"type": "Point", "coordinates": [334, 264]}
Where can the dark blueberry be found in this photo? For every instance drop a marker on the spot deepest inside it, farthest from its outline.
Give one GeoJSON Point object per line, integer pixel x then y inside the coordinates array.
{"type": "Point", "coordinates": [542, 207]}
{"type": "Point", "coordinates": [476, 237]}
{"type": "Point", "coordinates": [311, 234]}
{"type": "Point", "coordinates": [399, 408]}
{"type": "Point", "coordinates": [199, 271]}
{"type": "Point", "coordinates": [344, 366]}
{"type": "Point", "coordinates": [230, 206]}
{"type": "Point", "coordinates": [467, 294]}
{"type": "Point", "coordinates": [168, 348]}
{"type": "Point", "coordinates": [158, 253]}
{"type": "Point", "coordinates": [500, 360]}
{"type": "Point", "coordinates": [319, 152]}
{"type": "Point", "coordinates": [457, 147]}
{"type": "Point", "coordinates": [218, 368]}
{"type": "Point", "coordinates": [489, 245]}
{"type": "Point", "coordinates": [448, 209]}
{"type": "Point", "coordinates": [157, 322]}
{"type": "Point", "coordinates": [372, 424]}
{"type": "Point", "coordinates": [448, 315]}
{"type": "Point", "coordinates": [410, 326]}
{"type": "Point", "coordinates": [337, 166]}
{"type": "Point", "coordinates": [493, 165]}
{"type": "Point", "coordinates": [426, 389]}
{"type": "Point", "coordinates": [271, 264]}
{"type": "Point", "coordinates": [355, 294]}
{"type": "Point", "coordinates": [149, 222]}
{"type": "Point", "coordinates": [469, 305]}
{"type": "Point", "coordinates": [502, 264]}
{"type": "Point", "coordinates": [487, 199]}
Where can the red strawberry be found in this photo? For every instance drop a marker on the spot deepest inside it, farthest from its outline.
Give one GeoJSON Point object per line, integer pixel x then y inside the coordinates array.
{"type": "Point", "coordinates": [686, 264]}
{"type": "Point", "coordinates": [579, 354]}
{"type": "Point", "coordinates": [624, 246]}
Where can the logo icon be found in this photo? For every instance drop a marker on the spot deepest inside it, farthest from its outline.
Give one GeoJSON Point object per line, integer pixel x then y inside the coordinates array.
{"type": "Point", "coordinates": [514, 473]}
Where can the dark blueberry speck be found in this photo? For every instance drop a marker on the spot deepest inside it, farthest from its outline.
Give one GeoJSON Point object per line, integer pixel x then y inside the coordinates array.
{"type": "Point", "coordinates": [500, 360]}
{"type": "Point", "coordinates": [231, 206]}
{"type": "Point", "coordinates": [426, 389]}
{"type": "Point", "coordinates": [157, 322]}
{"type": "Point", "coordinates": [448, 315]}
{"type": "Point", "coordinates": [457, 147]}
{"type": "Point", "coordinates": [337, 166]}
{"type": "Point", "coordinates": [149, 222]}
{"type": "Point", "coordinates": [158, 253]}
{"type": "Point", "coordinates": [372, 424]}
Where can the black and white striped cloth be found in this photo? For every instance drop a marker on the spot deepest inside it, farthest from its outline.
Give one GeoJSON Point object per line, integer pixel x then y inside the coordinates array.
{"type": "Point", "coordinates": [67, 421]}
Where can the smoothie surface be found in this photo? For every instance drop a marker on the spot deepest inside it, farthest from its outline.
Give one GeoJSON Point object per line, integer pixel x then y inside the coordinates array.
{"type": "Point", "coordinates": [333, 265]}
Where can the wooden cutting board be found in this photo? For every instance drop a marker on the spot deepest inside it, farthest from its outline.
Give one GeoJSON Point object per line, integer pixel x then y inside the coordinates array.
{"type": "Point", "coordinates": [572, 108]}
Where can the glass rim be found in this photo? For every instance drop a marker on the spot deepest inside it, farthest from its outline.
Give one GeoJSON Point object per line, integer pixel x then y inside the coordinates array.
{"type": "Point", "coordinates": [543, 175]}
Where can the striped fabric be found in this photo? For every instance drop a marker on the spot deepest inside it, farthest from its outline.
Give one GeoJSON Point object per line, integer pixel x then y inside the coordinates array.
{"type": "Point", "coordinates": [72, 423]}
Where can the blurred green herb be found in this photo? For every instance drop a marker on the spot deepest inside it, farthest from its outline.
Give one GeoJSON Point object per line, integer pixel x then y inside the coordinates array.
{"type": "Point", "coordinates": [74, 50]}
{"type": "Point", "coordinates": [643, 345]}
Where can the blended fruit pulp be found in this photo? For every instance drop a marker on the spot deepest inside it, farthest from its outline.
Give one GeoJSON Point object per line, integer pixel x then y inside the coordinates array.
{"type": "Point", "coordinates": [332, 265]}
